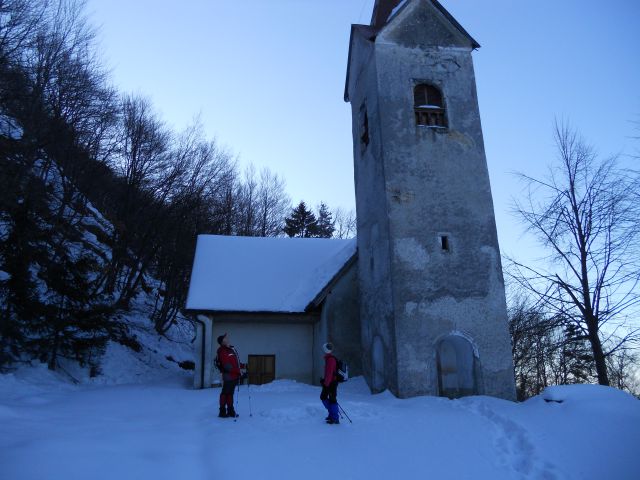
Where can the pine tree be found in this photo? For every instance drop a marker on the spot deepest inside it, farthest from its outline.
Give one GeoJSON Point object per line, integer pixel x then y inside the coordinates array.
{"type": "Point", "coordinates": [577, 359]}
{"type": "Point", "coordinates": [301, 223]}
{"type": "Point", "coordinates": [326, 223]}
{"type": "Point", "coordinates": [76, 322]}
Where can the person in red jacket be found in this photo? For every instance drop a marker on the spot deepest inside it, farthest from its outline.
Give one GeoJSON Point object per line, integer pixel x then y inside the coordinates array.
{"type": "Point", "coordinates": [231, 374]}
{"type": "Point", "coordinates": [329, 394]}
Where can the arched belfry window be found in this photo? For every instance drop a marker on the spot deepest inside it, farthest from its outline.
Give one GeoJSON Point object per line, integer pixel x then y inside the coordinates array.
{"type": "Point", "coordinates": [428, 105]}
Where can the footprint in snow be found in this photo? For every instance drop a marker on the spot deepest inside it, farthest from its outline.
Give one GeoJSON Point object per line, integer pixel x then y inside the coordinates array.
{"type": "Point", "coordinates": [513, 445]}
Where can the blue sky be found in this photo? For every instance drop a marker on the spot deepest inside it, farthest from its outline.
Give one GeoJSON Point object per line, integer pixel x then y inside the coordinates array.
{"type": "Point", "coordinates": [267, 79]}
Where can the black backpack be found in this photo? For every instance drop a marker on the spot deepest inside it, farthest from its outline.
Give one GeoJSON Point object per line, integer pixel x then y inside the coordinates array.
{"type": "Point", "coordinates": [342, 370]}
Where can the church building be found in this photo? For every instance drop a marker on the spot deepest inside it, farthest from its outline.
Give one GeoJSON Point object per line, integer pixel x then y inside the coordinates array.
{"type": "Point", "coordinates": [416, 303]}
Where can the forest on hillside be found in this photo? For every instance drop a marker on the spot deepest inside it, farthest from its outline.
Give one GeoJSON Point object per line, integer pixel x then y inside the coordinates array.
{"type": "Point", "coordinates": [101, 201]}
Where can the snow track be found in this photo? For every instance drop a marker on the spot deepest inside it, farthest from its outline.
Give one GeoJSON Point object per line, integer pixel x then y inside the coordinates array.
{"type": "Point", "coordinates": [513, 445]}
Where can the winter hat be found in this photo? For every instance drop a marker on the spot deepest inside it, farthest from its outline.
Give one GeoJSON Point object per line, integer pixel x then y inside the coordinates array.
{"type": "Point", "coordinates": [327, 347]}
{"type": "Point", "coordinates": [221, 338]}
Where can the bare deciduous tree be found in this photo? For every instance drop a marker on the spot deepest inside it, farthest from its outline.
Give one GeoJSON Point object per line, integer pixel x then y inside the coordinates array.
{"type": "Point", "coordinates": [142, 159]}
{"type": "Point", "coordinates": [344, 223]}
{"type": "Point", "coordinates": [273, 204]}
{"type": "Point", "coordinates": [623, 371]}
{"type": "Point", "coordinates": [246, 203]}
{"type": "Point", "coordinates": [202, 172]}
{"type": "Point", "coordinates": [260, 203]}
{"type": "Point", "coordinates": [585, 215]}
{"type": "Point", "coordinates": [18, 21]}
{"type": "Point", "coordinates": [144, 144]}
{"type": "Point", "coordinates": [532, 345]}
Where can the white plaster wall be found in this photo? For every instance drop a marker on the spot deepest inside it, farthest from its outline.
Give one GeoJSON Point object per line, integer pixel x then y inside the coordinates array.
{"type": "Point", "coordinates": [292, 344]}
{"type": "Point", "coordinates": [208, 377]}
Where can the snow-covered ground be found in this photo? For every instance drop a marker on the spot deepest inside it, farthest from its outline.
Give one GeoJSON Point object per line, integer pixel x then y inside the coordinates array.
{"type": "Point", "coordinates": [50, 429]}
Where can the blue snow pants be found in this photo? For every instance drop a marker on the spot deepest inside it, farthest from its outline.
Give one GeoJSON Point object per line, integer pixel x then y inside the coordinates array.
{"type": "Point", "coordinates": [329, 397]}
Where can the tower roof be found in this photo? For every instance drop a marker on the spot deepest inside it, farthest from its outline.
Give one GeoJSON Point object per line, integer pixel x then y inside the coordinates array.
{"type": "Point", "coordinates": [383, 12]}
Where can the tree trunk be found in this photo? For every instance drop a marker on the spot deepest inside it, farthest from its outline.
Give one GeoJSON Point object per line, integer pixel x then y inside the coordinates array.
{"type": "Point", "coordinates": [598, 353]}
{"type": "Point", "coordinates": [53, 358]}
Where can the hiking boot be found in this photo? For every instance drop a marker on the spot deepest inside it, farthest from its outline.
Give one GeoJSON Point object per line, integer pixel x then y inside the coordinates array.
{"type": "Point", "coordinates": [223, 413]}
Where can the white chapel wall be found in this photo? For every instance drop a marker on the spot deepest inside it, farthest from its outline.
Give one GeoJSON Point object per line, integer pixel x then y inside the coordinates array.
{"type": "Point", "coordinates": [291, 343]}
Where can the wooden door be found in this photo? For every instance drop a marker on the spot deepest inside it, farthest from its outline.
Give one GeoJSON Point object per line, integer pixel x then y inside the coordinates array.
{"type": "Point", "coordinates": [261, 369]}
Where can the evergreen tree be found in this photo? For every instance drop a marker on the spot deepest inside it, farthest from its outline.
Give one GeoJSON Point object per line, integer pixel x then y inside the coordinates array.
{"type": "Point", "coordinates": [76, 320]}
{"type": "Point", "coordinates": [20, 246]}
{"type": "Point", "coordinates": [577, 359]}
{"type": "Point", "coordinates": [301, 223]}
{"type": "Point", "coordinates": [326, 223]}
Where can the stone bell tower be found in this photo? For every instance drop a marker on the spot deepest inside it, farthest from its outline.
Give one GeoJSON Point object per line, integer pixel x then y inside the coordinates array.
{"type": "Point", "coordinates": [432, 304]}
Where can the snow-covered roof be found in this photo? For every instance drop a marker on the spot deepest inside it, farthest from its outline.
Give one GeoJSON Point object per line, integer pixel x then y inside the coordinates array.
{"type": "Point", "coordinates": [255, 274]}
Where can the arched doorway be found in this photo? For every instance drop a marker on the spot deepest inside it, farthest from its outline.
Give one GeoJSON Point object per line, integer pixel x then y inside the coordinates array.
{"type": "Point", "coordinates": [456, 367]}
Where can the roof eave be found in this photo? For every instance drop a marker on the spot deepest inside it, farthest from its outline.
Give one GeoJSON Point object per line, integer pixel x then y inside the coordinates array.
{"type": "Point", "coordinates": [318, 299]}
{"type": "Point", "coordinates": [213, 311]}
{"type": "Point", "coordinates": [372, 35]}
{"type": "Point", "coordinates": [475, 45]}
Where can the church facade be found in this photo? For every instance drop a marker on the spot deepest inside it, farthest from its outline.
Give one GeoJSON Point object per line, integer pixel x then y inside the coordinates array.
{"type": "Point", "coordinates": [430, 309]}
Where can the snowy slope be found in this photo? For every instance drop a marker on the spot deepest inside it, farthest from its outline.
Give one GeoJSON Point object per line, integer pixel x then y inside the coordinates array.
{"type": "Point", "coordinates": [154, 358]}
{"type": "Point", "coordinates": [52, 430]}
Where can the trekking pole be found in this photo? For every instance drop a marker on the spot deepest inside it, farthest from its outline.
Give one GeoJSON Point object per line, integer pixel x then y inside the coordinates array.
{"type": "Point", "coordinates": [235, 418]}
{"type": "Point", "coordinates": [345, 413]}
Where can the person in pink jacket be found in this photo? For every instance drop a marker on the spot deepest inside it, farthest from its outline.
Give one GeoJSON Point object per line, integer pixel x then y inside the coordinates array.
{"type": "Point", "coordinates": [329, 394]}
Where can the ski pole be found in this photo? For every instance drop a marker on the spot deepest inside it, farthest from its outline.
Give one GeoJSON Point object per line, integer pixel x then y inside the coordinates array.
{"type": "Point", "coordinates": [249, 391]}
{"type": "Point", "coordinates": [235, 418]}
{"type": "Point", "coordinates": [345, 413]}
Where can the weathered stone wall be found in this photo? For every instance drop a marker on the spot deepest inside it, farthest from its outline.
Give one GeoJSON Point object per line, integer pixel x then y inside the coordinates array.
{"type": "Point", "coordinates": [415, 184]}
{"type": "Point", "coordinates": [340, 323]}
{"type": "Point", "coordinates": [374, 261]}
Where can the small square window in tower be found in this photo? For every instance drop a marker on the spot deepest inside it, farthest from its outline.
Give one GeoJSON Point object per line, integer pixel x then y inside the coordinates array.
{"type": "Point", "coordinates": [261, 369]}
{"type": "Point", "coordinates": [428, 106]}
{"type": "Point", "coordinates": [444, 243]}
